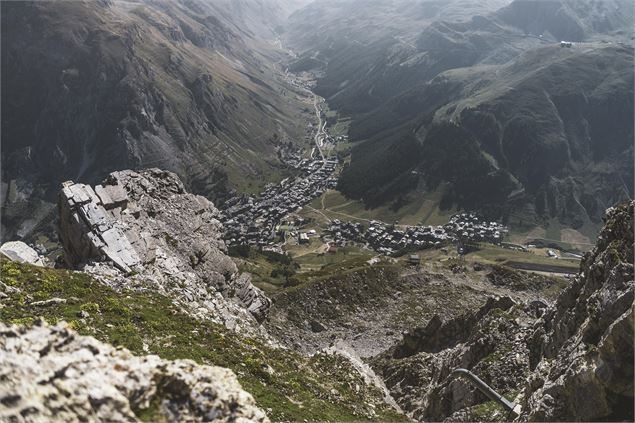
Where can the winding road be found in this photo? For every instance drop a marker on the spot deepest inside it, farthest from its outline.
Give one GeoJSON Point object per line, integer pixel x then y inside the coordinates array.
{"type": "Point", "coordinates": [321, 132]}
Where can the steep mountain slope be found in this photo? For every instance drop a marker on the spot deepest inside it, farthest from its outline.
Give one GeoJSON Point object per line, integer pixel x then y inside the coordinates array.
{"type": "Point", "coordinates": [484, 105]}
{"type": "Point", "coordinates": [549, 134]}
{"type": "Point", "coordinates": [571, 20]}
{"type": "Point", "coordinates": [92, 87]}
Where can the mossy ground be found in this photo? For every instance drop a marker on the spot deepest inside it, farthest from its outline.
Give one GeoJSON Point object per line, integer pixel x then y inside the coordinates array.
{"type": "Point", "coordinates": [491, 411]}
{"type": "Point", "coordinates": [289, 386]}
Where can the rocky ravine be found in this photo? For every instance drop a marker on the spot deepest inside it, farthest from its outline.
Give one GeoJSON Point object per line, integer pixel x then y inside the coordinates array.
{"type": "Point", "coordinates": [144, 230]}
{"type": "Point", "coordinates": [51, 373]}
{"type": "Point", "coordinates": [570, 361]}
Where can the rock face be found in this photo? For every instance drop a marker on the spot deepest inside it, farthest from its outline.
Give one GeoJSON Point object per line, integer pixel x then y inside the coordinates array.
{"type": "Point", "coordinates": [19, 251]}
{"type": "Point", "coordinates": [90, 232]}
{"type": "Point", "coordinates": [53, 374]}
{"type": "Point", "coordinates": [569, 361]}
{"type": "Point", "coordinates": [489, 341]}
{"type": "Point", "coordinates": [582, 350]}
{"type": "Point", "coordinates": [149, 228]}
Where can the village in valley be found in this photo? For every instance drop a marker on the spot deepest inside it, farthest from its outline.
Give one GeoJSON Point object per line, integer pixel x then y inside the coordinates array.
{"type": "Point", "coordinates": [254, 221]}
{"type": "Point", "coordinates": [271, 220]}
{"type": "Point", "coordinates": [462, 230]}
{"type": "Point", "coordinates": [281, 218]}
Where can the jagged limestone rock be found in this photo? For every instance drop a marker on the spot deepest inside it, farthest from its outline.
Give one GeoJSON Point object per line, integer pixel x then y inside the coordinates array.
{"type": "Point", "coordinates": [152, 230]}
{"type": "Point", "coordinates": [50, 373]}
{"type": "Point", "coordinates": [568, 361]}
{"type": "Point", "coordinates": [21, 252]}
{"type": "Point", "coordinates": [583, 346]}
{"type": "Point", "coordinates": [439, 335]}
{"type": "Point", "coordinates": [489, 342]}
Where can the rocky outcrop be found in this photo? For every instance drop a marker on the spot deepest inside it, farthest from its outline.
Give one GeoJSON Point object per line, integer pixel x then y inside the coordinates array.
{"type": "Point", "coordinates": [569, 361]}
{"type": "Point", "coordinates": [439, 335]}
{"type": "Point", "coordinates": [489, 341]}
{"type": "Point", "coordinates": [89, 231]}
{"type": "Point", "coordinates": [140, 229]}
{"type": "Point", "coordinates": [21, 252]}
{"type": "Point", "coordinates": [50, 373]}
{"type": "Point", "coordinates": [582, 350]}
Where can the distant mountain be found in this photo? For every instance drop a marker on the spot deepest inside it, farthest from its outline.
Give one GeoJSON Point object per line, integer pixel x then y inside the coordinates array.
{"type": "Point", "coordinates": [573, 20]}
{"type": "Point", "coordinates": [260, 18]}
{"type": "Point", "coordinates": [488, 108]}
{"type": "Point", "coordinates": [553, 130]}
{"type": "Point", "coordinates": [327, 25]}
{"type": "Point", "coordinates": [94, 86]}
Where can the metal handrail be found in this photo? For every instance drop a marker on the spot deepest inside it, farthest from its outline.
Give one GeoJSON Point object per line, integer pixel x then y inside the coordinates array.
{"type": "Point", "coordinates": [485, 389]}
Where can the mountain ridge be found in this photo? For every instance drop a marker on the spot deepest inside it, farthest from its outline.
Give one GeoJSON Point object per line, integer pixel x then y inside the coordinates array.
{"type": "Point", "coordinates": [102, 86]}
{"type": "Point", "coordinates": [471, 72]}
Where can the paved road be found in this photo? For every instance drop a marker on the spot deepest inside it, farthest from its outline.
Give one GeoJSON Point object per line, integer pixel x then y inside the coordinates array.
{"type": "Point", "coordinates": [320, 132]}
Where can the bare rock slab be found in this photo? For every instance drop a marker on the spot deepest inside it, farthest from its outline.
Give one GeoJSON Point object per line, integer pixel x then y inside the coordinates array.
{"type": "Point", "coordinates": [146, 224]}
{"type": "Point", "coordinates": [50, 373]}
{"type": "Point", "coordinates": [21, 252]}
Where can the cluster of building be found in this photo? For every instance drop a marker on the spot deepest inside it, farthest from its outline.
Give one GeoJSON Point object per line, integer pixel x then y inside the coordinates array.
{"type": "Point", "coordinates": [387, 239]}
{"type": "Point", "coordinates": [384, 238]}
{"type": "Point", "coordinates": [331, 141]}
{"type": "Point", "coordinates": [468, 226]}
{"type": "Point", "coordinates": [252, 220]}
{"type": "Point", "coordinates": [294, 160]}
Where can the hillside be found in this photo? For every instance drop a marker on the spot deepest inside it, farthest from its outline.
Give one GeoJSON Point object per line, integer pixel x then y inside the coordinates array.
{"type": "Point", "coordinates": [92, 87]}
{"type": "Point", "coordinates": [484, 107]}
{"type": "Point", "coordinates": [287, 385]}
{"type": "Point", "coordinates": [572, 20]}
{"type": "Point", "coordinates": [547, 135]}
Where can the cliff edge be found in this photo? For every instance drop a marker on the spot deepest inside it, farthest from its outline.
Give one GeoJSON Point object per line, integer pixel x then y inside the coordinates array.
{"type": "Point", "coordinates": [143, 230]}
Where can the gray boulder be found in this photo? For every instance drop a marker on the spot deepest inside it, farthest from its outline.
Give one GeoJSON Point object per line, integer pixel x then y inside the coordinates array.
{"type": "Point", "coordinates": [20, 252]}
{"type": "Point", "coordinates": [49, 373]}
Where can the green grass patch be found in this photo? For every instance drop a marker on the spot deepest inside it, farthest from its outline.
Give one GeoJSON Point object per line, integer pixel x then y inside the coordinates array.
{"type": "Point", "coordinates": [417, 209]}
{"type": "Point", "coordinates": [292, 386]}
{"type": "Point", "coordinates": [270, 271]}
{"type": "Point", "coordinates": [491, 411]}
{"type": "Point", "coordinates": [346, 258]}
{"type": "Point", "coordinates": [491, 254]}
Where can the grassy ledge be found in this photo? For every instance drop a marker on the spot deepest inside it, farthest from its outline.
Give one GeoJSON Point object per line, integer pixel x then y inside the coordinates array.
{"type": "Point", "coordinates": [287, 385]}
